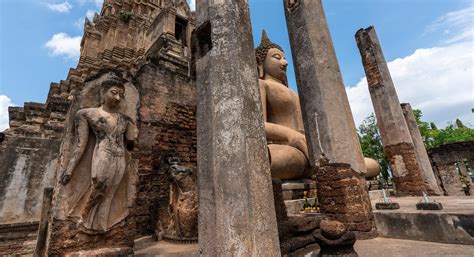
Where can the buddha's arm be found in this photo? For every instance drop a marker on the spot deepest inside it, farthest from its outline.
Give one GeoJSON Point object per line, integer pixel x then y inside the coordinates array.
{"type": "Point", "coordinates": [82, 135]}
{"type": "Point", "coordinates": [131, 134]}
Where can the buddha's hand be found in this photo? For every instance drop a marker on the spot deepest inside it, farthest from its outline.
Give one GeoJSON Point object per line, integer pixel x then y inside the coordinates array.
{"type": "Point", "coordinates": [66, 177]}
{"type": "Point", "coordinates": [298, 141]}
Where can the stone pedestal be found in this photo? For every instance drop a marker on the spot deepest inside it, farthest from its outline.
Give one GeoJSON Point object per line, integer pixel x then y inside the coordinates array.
{"type": "Point", "coordinates": [329, 126]}
{"type": "Point", "coordinates": [431, 183]}
{"type": "Point", "coordinates": [236, 208]}
{"type": "Point", "coordinates": [396, 138]}
{"type": "Point", "coordinates": [343, 196]}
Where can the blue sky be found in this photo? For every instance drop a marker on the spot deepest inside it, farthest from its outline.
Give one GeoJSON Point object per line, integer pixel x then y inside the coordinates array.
{"type": "Point", "coordinates": [428, 43]}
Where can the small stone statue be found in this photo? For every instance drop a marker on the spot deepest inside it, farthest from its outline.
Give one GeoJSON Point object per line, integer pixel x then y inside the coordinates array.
{"type": "Point", "coordinates": [282, 113]}
{"type": "Point", "coordinates": [183, 203]}
{"type": "Point", "coordinates": [111, 134]}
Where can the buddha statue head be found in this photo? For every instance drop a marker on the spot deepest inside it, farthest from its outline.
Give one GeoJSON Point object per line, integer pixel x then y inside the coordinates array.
{"type": "Point", "coordinates": [112, 92]}
{"type": "Point", "coordinates": [271, 61]}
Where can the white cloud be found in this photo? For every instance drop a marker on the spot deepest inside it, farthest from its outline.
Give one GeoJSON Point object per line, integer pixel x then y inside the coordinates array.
{"type": "Point", "coordinates": [439, 81]}
{"type": "Point", "coordinates": [98, 3]}
{"type": "Point", "coordinates": [62, 44]}
{"type": "Point", "coordinates": [62, 8]}
{"type": "Point", "coordinates": [4, 103]}
{"type": "Point", "coordinates": [90, 14]}
{"type": "Point", "coordinates": [192, 4]}
{"type": "Point", "coordinates": [456, 25]}
{"type": "Point", "coordinates": [80, 22]}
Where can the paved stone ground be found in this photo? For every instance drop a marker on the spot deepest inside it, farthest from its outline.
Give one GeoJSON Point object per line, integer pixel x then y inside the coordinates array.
{"type": "Point", "coordinates": [451, 204]}
{"type": "Point", "coordinates": [378, 247]}
{"type": "Point", "coordinates": [389, 247]}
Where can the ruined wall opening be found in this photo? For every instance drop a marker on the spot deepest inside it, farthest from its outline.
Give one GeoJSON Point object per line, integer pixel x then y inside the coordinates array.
{"type": "Point", "coordinates": [180, 29]}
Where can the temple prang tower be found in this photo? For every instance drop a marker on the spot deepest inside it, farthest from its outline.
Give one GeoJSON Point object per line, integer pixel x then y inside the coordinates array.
{"type": "Point", "coordinates": [148, 43]}
{"type": "Point", "coordinates": [397, 141]}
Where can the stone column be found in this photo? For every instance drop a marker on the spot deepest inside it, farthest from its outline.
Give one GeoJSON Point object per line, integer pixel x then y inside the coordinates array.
{"type": "Point", "coordinates": [331, 135]}
{"type": "Point", "coordinates": [431, 184]}
{"type": "Point", "coordinates": [44, 222]}
{"type": "Point", "coordinates": [398, 145]}
{"type": "Point", "coordinates": [236, 207]}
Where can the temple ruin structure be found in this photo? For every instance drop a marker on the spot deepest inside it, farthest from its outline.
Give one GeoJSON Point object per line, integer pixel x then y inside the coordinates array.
{"type": "Point", "coordinates": [431, 183]}
{"type": "Point", "coordinates": [397, 141]}
{"type": "Point", "coordinates": [453, 166]}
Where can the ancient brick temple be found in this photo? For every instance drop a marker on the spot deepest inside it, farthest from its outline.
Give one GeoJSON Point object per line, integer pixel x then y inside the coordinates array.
{"type": "Point", "coordinates": [148, 42]}
{"type": "Point", "coordinates": [452, 164]}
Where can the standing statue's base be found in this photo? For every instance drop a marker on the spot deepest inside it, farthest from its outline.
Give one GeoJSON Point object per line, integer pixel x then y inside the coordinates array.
{"type": "Point", "coordinates": [104, 252]}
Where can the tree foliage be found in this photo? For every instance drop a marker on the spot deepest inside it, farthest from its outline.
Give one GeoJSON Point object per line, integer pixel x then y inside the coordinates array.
{"type": "Point", "coordinates": [454, 132]}
{"type": "Point", "coordinates": [371, 141]}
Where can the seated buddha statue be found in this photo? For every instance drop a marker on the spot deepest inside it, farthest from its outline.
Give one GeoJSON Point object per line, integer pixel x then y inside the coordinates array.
{"type": "Point", "coordinates": [286, 141]}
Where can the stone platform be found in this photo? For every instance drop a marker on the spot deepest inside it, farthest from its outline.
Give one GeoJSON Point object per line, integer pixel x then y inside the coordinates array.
{"type": "Point", "coordinates": [293, 190]}
{"type": "Point", "coordinates": [453, 225]}
{"type": "Point", "coordinates": [18, 238]}
{"type": "Point", "coordinates": [365, 248]}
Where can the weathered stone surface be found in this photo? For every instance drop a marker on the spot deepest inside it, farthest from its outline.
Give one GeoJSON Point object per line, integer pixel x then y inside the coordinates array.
{"type": "Point", "coordinates": [446, 158]}
{"type": "Point", "coordinates": [183, 205]}
{"type": "Point", "coordinates": [41, 240]}
{"type": "Point", "coordinates": [343, 196]}
{"type": "Point", "coordinates": [431, 183]}
{"type": "Point", "coordinates": [236, 207]}
{"type": "Point", "coordinates": [329, 125]}
{"type": "Point", "coordinates": [332, 229]}
{"type": "Point", "coordinates": [342, 246]}
{"type": "Point", "coordinates": [103, 252]}
{"type": "Point", "coordinates": [396, 138]}
{"type": "Point", "coordinates": [18, 238]}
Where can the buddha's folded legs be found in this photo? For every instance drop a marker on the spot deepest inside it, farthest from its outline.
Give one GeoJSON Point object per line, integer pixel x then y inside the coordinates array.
{"type": "Point", "coordinates": [287, 162]}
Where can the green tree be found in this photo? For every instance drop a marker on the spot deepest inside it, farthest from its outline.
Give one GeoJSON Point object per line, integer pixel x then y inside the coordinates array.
{"type": "Point", "coordinates": [434, 137]}
{"type": "Point", "coordinates": [371, 143]}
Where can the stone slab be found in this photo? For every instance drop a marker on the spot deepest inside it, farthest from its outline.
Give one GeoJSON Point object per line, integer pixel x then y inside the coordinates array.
{"type": "Point", "coordinates": [103, 252]}
{"type": "Point", "coordinates": [387, 206]}
{"type": "Point", "coordinates": [454, 224]}
{"type": "Point", "coordinates": [168, 249]}
{"type": "Point", "coordinates": [434, 206]}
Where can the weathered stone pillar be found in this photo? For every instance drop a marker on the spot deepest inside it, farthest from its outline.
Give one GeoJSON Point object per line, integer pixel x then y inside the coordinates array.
{"type": "Point", "coordinates": [329, 126]}
{"type": "Point", "coordinates": [236, 207]}
{"type": "Point", "coordinates": [431, 184]}
{"type": "Point", "coordinates": [44, 222]}
{"type": "Point", "coordinates": [398, 145]}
